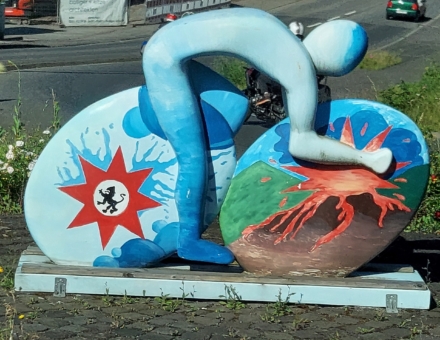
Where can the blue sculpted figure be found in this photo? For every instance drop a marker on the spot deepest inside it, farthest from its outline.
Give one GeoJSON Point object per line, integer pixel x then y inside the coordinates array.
{"type": "Point", "coordinates": [172, 100]}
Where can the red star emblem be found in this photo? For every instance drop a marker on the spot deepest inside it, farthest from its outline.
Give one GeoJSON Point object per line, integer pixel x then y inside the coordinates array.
{"type": "Point", "coordinates": [110, 198]}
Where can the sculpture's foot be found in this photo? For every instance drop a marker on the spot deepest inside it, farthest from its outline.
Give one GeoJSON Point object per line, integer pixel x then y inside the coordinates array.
{"type": "Point", "coordinates": [205, 251]}
{"type": "Point", "coordinates": [379, 161]}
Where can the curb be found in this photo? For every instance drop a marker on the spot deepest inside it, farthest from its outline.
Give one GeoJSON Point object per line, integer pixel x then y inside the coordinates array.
{"type": "Point", "coordinates": [21, 67]}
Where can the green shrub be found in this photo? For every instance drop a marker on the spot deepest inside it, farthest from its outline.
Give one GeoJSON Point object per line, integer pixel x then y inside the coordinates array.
{"type": "Point", "coordinates": [427, 218]}
{"type": "Point", "coordinates": [17, 159]}
{"type": "Point", "coordinates": [420, 100]}
{"type": "Point", "coordinates": [19, 150]}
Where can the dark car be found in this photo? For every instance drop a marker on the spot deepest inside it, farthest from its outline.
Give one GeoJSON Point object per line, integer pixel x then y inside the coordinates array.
{"type": "Point", "coordinates": [414, 9]}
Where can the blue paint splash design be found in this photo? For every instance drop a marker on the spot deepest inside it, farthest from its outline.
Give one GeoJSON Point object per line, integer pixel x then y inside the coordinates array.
{"type": "Point", "coordinates": [95, 159]}
{"type": "Point", "coordinates": [153, 185]}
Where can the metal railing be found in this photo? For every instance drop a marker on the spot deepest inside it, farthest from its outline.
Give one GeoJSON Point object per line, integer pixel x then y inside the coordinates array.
{"type": "Point", "coordinates": [157, 9]}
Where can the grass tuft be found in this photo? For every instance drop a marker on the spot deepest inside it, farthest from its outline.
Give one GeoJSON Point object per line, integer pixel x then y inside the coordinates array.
{"type": "Point", "coordinates": [379, 60]}
{"type": "Point", "coordinates": [232, 69]}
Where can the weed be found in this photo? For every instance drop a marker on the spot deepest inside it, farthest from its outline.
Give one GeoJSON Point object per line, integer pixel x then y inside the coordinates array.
{"type": "Point", "coordinates": [107, 299]}
{"type": "Point", "coordinates": [233, 333]}
{"type": "Point", "coordinates": [75, 311]}
{"type": "Point", "coordinates": [175, 332]}
{"type": "Point", "coordinates": [415, 332]}
{"type": "Point", "coordinates": [168, 304]}
{"type": "Point", "coordinates": [347, 310]}
{"type": "Point", "coordinates": [233, 299]}
{"type": "Point", "coordinates": [404, 322]}
{"type": "Point", "coordinates": [334, 336]}
{"type": "Point", "coordinates": [378, 60]}
{"type": "Point", "coordinates": [268, 317]}
{"type": "Point", "coordinates": [281, 306]}
{"type": "Point", "coordinates": [428, 272]}
{"type": "Point", "coordinates": [90, 321]}
{"type": "Point", "coordinates": [184, 294]}
{"type": "Point", "coordinates": [7, 279]}
{"type": "Point", "coordinates": [299, 323]}
{"type": "Point", "coordinates": [127, 300]}
{"type": "Point", "coordinates": [7, 329]}
{"type": "Point", "coordinates": [365, 330]}
{"type": "Point", "coordinates": [33, 301]}
{"type": "Point", "coordinates": [32, 315]}
{"type": "Point", "coordinates": [87, 305]}
{"type": "Point", "coordinates": [56, 119]}
{"type": "Point", "coordinates": [17, 126]}
{"type": "Point", "coordinates": [116, 324]}
{"type": "Point", "coordinates": [380, 316]}
{"type": "Point", "coordinates": [173, 304]}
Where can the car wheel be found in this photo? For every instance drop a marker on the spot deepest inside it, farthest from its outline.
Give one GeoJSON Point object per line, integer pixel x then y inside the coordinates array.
{"type": "Point", "coordinates": [417, 18]}
{"type": "Point", "coordinates": [388, 17]}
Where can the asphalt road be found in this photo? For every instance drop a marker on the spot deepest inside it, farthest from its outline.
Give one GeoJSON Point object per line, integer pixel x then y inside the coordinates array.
{"type": "Point", "coordinates": [88, 78]}
{"type": "Point", "coordinates": [371, 14]}
{"type": "Point", "coordinates": [36, 56]}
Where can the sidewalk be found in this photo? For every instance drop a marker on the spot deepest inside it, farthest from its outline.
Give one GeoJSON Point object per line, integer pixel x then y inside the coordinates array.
{"type": "Point", "coordinates": [52, 35]}
{"type": "Point", "coordinates": [265, 5]}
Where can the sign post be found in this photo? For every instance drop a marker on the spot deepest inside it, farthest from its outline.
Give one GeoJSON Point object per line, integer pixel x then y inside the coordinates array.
{"type": "Point", "coordinates": [2, 20]}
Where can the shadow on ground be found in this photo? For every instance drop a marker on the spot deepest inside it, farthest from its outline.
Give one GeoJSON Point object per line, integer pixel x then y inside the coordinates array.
{"type": "Point", "coordinates": [420, 251]}
{"type": "Point", "coordinates": [26, 30]}
{"type": "Point", "coordinates": [421, 20]}
{"type": "Point", "coordinates": [18, 45]}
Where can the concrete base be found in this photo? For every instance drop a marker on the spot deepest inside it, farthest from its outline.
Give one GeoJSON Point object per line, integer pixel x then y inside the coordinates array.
{"type": "Point", "coordinates": [389, 286]}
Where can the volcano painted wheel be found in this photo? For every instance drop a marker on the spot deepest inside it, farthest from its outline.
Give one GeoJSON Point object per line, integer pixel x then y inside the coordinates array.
{"type": "Point", "coordinates": [283, 216]}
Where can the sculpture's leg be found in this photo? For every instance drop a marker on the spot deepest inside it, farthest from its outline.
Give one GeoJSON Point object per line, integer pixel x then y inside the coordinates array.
{"type": "Point", "coordinates": [325, 150]}
{"type": "Point", "coordinates": [183, 127]}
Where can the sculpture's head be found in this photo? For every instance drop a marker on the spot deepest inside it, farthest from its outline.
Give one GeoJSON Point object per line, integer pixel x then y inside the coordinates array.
{"type": "Point", "coordinates": [337, 47]}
